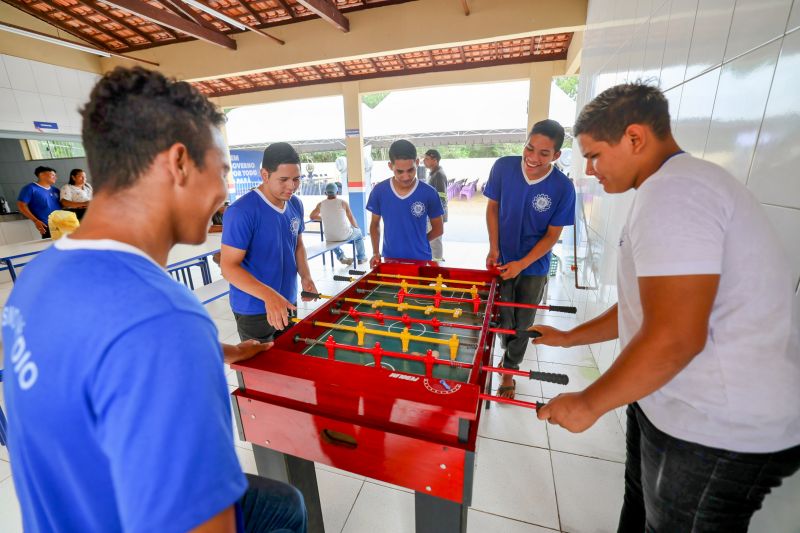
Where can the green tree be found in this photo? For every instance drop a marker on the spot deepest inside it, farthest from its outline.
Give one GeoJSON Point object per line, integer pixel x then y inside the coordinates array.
{"type": "Point", "coordinates": [568, 84]}
{"type": "Point", "coordinates": [372, 100]}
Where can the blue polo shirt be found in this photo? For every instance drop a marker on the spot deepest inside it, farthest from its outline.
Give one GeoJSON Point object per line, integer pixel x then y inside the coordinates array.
{"type": "Point", "coordinates": [118, 410]}
{"type": "Point", "coordinates": [40, 201]}
{"type": "Point", "coordinates": [269, 235]}
{"type": "Point", "coordinates": [405, 219]}
{"type": "Point", "coordinates": [527, 210]}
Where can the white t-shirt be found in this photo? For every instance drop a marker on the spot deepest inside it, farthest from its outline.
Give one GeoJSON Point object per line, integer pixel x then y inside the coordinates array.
{"type": "Point", "coordinates": [72, 193]}
{"type": "Point", "coordinates": [334, 219]}
{"type": "Point", "coordinates": [742, 392]}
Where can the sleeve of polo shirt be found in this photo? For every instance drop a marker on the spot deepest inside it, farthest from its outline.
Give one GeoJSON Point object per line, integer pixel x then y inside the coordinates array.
{"type": "Point", "coordinates": [302, 215]}
{"type": "Point", "coordinates": [237, 228]}
{"type": "Point", "coordinates": [433, 204]}
{"type": "Point", "coordinates": [493, 186]}
{"type": "Point", "coordinates": [374, 201]}
{"type": "Point", "coordinates": [25, 194]}
{"type": "Point", "coordinates": [163, 418]}
{"type": "Point", "coordinates": [565, 209]}
{"type": "Point", "coordinates": [677, 228]}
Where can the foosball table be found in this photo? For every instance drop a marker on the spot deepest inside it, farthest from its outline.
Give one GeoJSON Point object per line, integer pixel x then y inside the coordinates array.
{"type": "Point", "coordinates": [387, 380]}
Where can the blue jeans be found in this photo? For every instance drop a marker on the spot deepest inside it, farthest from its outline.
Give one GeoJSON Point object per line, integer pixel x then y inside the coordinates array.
{"type": "Point", "coordinates": [272, 506]}
{"type": "Point", "coordinates": [675, 486]}
{"type": "Point", "coordinates": [361, 254]}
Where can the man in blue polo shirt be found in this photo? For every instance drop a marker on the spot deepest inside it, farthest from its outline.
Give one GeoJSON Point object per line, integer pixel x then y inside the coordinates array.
{"type": "Point", "coordinates": [38, 199]}
{"type": "Point", "coordinates": [530, 201]}
{"type": "Point", "coordinates": [262, 248]}
{"type": "Point", "coordinates": [405, 204]}
{"type": "Point", "coordinates": [121, 420]}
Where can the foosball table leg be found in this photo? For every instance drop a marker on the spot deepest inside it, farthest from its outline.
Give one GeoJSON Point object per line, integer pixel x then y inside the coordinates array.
{"type": "Point", "coordinates": [297, 472]}
{"type": "Point", "coordinates": [437, 515]}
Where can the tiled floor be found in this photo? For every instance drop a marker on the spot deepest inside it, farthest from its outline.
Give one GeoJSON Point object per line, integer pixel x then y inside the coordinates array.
{"type": "Point", "coordinates": [530, 477]}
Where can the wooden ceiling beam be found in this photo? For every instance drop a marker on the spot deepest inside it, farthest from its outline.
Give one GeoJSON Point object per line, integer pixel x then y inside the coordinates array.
{"type": "Point", "coordinates": [163, 17]}
{"type": "Point", "coordinates": [465, 6]}
{"type": "Point", "coordinates": [60, 25]}
{"type": "Point", "coordinates": [285, 6]}
{"type": "Point", "coordinates": [96, 25]}
{"type": "Point", "coordinates": [253, 28]}
{"type": "Point", "coordinates": [328, 12]}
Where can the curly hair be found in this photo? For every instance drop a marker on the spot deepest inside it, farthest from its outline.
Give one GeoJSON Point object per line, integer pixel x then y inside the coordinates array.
{"type": "Point", "coordinates": [134, 114]}
{"type": "Point", "coordinates": [607, 116]}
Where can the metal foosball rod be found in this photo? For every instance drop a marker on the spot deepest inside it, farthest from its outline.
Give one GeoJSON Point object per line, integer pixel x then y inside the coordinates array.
{"type": "Point", "coordinates": [429, 360]}
{"type": "Point", "coordinates": [455, 313]}
{"type": "Point", "coordinates": [405, 336]}
{"type": "Point", "coordinates": [437, 279]}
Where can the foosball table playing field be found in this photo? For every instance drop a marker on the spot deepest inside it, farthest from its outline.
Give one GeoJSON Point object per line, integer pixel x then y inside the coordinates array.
{"type": "Point", "coordinates": [387, 380]}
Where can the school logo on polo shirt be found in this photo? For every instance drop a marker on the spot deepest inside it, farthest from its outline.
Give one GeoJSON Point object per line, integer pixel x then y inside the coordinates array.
{"type": "Point", "coordinates": [542, 202]}
{"type": "Point", "coordinates": [418, 209]}
{"type": "Point", "coordinates": [294, 226]}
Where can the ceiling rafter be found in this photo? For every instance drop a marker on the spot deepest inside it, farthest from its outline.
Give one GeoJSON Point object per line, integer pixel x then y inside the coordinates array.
{"type": "Point", "coordinates": [108, 16]}
{"type": "Point", "coordinates": [328, 12]}
{"type": "Point", "coordinates": [186, 12]}
{"type": "Point", "coordinates": [108, 9]}
{"type": "Point", "coordinates": [75, 32]}
{"type": "Point", "coordinates": [289, 11]}
{"type": "Point", "coordinates": [162, 17]}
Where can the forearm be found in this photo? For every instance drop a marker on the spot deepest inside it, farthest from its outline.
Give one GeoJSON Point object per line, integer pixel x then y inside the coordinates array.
{"type": "Point", "coordinates": [541, 248]}
{"type": "Point", "coordinates": [492, 224]}
{"type": "Point", "coordinates": [301, 258]}
{"type": "Point", "coordinates": [375, 238]}
{"type": "Point", "coordinates": [74, 205]}
{"type": "Point", "coordinates": [599, 329]}
{"type": "Point", "coordinates": [648, 363]}
{"type": "Point", "coordinates": [245, 281]}
{"type": "Point", "coordinates": [23, 208]}
{"type": "Point", "coordinates": [437, 230]}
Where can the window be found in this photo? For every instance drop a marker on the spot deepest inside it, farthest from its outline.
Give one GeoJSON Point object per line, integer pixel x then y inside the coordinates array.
{"type": "Point", "coordinates": [35, 149]}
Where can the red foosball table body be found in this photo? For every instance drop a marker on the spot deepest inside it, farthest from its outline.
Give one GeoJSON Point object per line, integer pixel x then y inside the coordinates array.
{"type": "Point", "coordinates": [413, 429]}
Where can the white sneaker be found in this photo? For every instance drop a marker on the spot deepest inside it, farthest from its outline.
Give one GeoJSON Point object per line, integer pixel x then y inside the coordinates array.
{"type": "Point", "coordinates": [346, 261]}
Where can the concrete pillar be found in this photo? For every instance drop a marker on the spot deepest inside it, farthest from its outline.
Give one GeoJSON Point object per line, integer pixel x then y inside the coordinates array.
{"type": "Point", "coordinates": [541, 77]}
{"type": "Point", "coordinates": [354, 141]}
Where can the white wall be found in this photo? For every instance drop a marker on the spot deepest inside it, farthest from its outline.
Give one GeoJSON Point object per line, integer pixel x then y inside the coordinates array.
{"type": "Point", "coordinates": [34, 91]}
{"type": "Point", "coordinates": [731, 71]}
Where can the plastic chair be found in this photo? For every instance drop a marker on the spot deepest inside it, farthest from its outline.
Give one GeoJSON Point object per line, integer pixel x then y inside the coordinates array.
{"type": "Point", "coordinates": [3, 422]}
{"type": "Point", "coordinates": [468, 190]}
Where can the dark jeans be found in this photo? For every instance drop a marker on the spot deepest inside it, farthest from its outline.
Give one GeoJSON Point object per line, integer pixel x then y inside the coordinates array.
{"type": "Point", "coordinates": [79, 211]}
{"type": "Point", "coordinates": [272, 506]}
{"type": "Point", "coordinates": [257, 327]}
{"type": "Point", "coordinates": [675, 486]}
{"type": "Point", "coordinates": [46, 234]}
{"type": "Point", "coordinates": [522, 289]}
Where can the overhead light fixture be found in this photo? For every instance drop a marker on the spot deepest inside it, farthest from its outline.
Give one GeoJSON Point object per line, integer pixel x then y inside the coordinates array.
{"type": "Point", "coordinates": [10, 28]}
{"type": "Point", "coordinates": [216, 14]}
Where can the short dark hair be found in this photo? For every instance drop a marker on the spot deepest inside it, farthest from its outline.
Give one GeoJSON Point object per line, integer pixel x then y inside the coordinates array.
{"type": "Point", "coordinates": [607, 116]}
{"type": "Point", "coordinates": [434, 154]}
{"type": "Point", "coordinates": [402, 149]}
{"type": "Point", "coordinates": [550, 129]}
{"type": "Point", "coordinates": [72, 173]}
{"type": "Point", "coordinates": [134, 114]}
{"type": "Point", "coordinates": [39, 170]}
{"type": "Point", "coordinates": [277, 154]}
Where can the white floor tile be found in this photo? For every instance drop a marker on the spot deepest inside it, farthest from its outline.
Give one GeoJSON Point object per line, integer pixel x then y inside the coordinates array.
{"type": "Point", "coordinates": [604, 440]}
{"type": "Point", "coordinates": [515, 481]}
{"type": "Point", "coordinates": [579, 355]}
{"type": "Point", "coordinates": [515, 424]}
{"type": "Point", "coordinates": [589, 493]}
{"type": "Point", "coordinates": [246, 460]}
{"type": "Point", "coordinates": [335, 470]}
{"type": "Point", "coordinates": [5, 470]}
{"type": "Point", "coordinates": [780, 511]}
{"type": "Point", "coordinates": [480, 522]}
{"type": "Point", "coordinates": [337, 496]}
{"type": "Point", "coordinates": [381, 509]}
{"type": "Point", "coordinates": [580, 377]}
{"type": "Point", "coordinates": [10, 516]}
{"type": "Point", "coordinates": [524, 385]}
{"type": "Point", "coordinates": [220, 308]}
{"type": "Point", "coordinates": [226, 328]}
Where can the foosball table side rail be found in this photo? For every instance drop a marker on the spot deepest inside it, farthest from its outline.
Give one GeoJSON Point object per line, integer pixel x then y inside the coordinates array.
{"type": "Point", "coordinates": [427, 466]}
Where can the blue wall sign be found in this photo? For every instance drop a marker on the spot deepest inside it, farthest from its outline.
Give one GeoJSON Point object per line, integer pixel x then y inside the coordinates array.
{"type": "Point", "coordinates": [45, 125]}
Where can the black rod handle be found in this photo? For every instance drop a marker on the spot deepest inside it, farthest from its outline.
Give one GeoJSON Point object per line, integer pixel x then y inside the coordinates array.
{"type": "Point", "coordinates": [342, 278]}
{"type": "Point", "coordinates": [560, 379]}
{"type": "Point", "coordinates": [564, 309]}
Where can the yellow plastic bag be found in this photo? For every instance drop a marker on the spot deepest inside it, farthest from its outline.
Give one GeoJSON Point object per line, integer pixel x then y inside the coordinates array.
{"type": "Point", "coordinates": [62, 223]}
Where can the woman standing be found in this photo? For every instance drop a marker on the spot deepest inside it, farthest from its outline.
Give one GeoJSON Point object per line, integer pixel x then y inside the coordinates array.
{"type": "Point", "coordinates": [76, 195]}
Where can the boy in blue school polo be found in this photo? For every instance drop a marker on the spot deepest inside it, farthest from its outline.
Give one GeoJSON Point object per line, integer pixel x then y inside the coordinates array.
{"type": "Point", "coordinates": [38, 199]}
{"type": "Point", "coordinates": [262, 248]}
{"type": "Point", "coordinates": [530, 201]}
{"type": "Point", "coordinates": [405, 204]}
{"type": "Point", "coordinates": [121, 420]}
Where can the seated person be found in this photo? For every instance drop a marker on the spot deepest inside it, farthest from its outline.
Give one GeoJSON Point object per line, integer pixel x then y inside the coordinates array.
{"type": "Point", "coordinates": [339, 224]}
{"type": "Point", "coordinates": [137, 434]}
{"type": "Point", "coordinates": [76, 195]}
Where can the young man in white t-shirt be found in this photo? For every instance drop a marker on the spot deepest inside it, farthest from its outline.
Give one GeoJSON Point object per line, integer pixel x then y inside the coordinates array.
{"type": "Point", "coordinates": [711, 380]}
{"type": "Point", "coordinates": [339, 224]}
